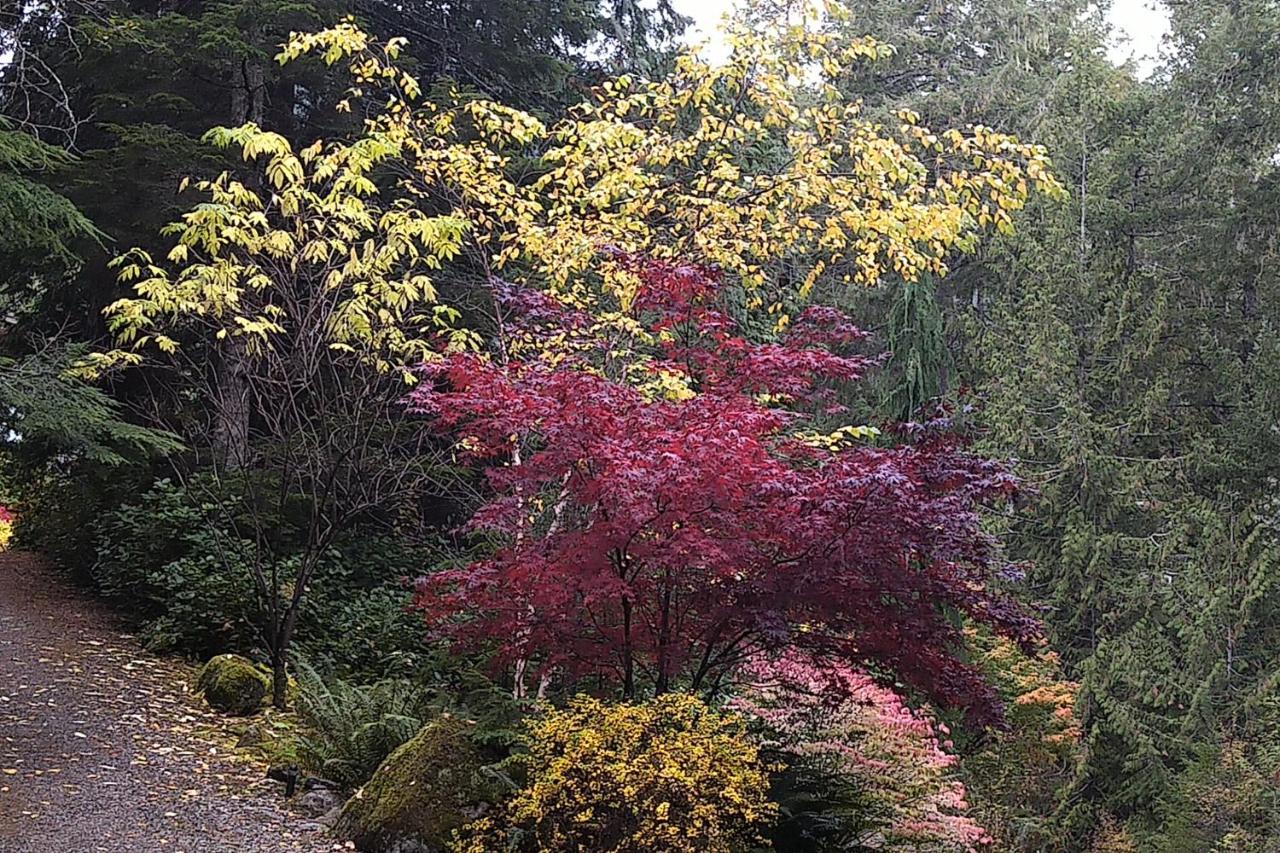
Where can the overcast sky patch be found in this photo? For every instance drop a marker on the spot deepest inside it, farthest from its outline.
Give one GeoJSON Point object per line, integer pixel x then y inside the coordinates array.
{"type": "Point", "coordinates": [1138, 27]}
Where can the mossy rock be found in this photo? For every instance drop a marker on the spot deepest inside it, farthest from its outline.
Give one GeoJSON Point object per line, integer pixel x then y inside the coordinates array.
{"type": "Point", "coordinates": [233, 684]}
{"type": "Point", "coordinates": [422, 792]}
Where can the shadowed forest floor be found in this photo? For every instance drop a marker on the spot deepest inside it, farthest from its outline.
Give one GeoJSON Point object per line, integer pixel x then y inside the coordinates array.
{"type": "Point", "coordinates": [103, 749]}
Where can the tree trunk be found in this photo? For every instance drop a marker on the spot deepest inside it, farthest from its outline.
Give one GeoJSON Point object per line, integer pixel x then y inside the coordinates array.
{"type": "Point", "coordinates": [280, 675]}
{"type": "Point", "coordinates": [664, 639]}
{"type": "Point", "coordinates": [232, 409]}
{"type": "Point", "coordinates": [628, 660]}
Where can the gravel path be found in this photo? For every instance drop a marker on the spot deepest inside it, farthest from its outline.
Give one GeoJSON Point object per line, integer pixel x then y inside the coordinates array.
{"type": "Point", "coordinates": [103, 750]}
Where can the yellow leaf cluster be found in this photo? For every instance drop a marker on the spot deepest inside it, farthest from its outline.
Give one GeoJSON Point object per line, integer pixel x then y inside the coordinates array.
{"type": "Point", "coordinates": [743, 165]}
{"type": "Point", "coordinates": [1043, 700]}
{"type": "Point", "coordinates": [757, 166]}
{"type": "Point", "coordinates": [670, 774]}
{"type": "Point", "coordinates": [837, 439]}
{"type": "Point", "coordinates": [254, 262]}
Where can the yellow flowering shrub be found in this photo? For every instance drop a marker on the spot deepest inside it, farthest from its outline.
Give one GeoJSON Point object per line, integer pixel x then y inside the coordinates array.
{"type": "Point", "coordinates": [671, 774]}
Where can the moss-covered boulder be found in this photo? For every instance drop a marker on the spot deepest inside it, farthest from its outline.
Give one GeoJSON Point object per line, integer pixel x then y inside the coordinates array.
{"type": "Point", "coordinates": [233, 684]}
{"type": "Point", "coordinates": [426, 789]}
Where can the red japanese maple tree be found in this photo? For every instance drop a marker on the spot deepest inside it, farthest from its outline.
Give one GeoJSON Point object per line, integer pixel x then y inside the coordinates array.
{"type": "Point", "coordinates": [662, 539]}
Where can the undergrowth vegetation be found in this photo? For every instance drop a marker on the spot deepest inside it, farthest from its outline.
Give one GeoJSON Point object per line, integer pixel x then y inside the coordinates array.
{"type": "Point", "coordinates": [350, 729]}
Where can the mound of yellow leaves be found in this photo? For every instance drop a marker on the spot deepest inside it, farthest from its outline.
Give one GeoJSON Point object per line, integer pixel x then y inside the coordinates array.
{"type": "Point", "coordinates": [670, 774]}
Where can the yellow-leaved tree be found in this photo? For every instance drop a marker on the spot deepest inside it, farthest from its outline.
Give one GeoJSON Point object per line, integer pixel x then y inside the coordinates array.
{"type": "Point", "coordinates": [313, 235]}
{"type": "Point", "coordinates": [757, 165]}
{"type": "Point", "coordinates": [291, 305]}
{"type": "Point", "coordinates": [750, 165]}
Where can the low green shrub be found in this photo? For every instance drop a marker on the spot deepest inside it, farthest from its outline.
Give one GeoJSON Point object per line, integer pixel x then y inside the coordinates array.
{"type": "Point", "coordinates": [362, 591]}
{"type": "Point", "coordinates": [171, 554]}
{"type": "Point", "coordinates": [186, 578]}
{"type": "Point", "coordinates": [380, 637]}
{"type": "Point", "coordinates": [61, 511]}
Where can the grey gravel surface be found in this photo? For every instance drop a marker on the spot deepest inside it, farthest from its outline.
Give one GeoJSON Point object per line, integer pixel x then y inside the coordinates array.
{"type": "Point", "coordinates": [104, 750]}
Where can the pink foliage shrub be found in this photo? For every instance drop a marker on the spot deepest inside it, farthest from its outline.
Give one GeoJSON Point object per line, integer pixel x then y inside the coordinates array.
{"type": "Point", "coordinates": [839, 720]}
